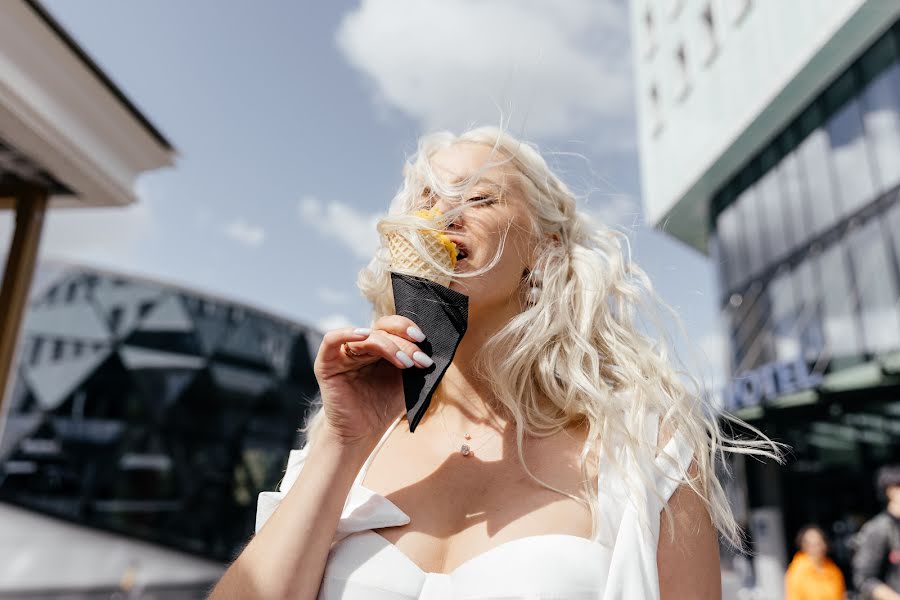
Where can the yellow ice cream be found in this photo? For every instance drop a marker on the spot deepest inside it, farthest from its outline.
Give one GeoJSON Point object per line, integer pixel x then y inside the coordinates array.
{"type": "Point", "coordinates": [434, 214]}
{"type": "Point", "coordinates": [407, 257]}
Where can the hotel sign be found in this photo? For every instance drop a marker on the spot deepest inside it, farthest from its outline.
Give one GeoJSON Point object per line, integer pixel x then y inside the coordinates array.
{"type": "Point", "coordinates": [766, 383]}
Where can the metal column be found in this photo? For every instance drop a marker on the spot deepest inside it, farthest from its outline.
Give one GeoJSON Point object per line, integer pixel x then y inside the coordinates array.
{"type": "Point", "coordinates": [30, 206]}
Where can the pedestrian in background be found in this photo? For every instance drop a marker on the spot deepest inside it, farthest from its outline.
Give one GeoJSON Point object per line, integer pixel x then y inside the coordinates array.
{"type": "Point", "coordinates": [876, 564]}
{"type": "Point", "coordinates": [811, 574]}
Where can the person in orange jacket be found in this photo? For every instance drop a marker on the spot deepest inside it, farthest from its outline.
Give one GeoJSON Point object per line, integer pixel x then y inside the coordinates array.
{"type": "Point", "coordinates": [812, 575]}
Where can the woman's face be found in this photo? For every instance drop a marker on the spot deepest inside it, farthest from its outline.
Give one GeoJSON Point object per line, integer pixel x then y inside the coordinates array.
{"type": "Point", "coordinates": [813, 544]}
{"type": "Point", "coordinates": [479, 229]}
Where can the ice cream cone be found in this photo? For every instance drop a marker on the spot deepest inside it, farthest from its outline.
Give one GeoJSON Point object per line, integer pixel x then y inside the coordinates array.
{"type": "Point", "coordinates": [405, 258]}
{"type": "Point", "coordinates": [421, 293]}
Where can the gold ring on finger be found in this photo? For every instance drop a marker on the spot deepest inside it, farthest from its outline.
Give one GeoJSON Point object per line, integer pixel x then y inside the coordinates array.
{"type": "Point", "coordinates": [349, 351]}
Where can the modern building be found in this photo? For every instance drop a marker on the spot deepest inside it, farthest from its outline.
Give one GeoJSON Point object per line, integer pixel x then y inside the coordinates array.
{"type": "Point", "coordinates": [144, 412]}
{"type": "Point", "coordinates": [770, 141]}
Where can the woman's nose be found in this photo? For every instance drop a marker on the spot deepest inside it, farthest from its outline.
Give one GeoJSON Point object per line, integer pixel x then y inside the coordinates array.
{"type": "Point", "coordinates": [444, 206]}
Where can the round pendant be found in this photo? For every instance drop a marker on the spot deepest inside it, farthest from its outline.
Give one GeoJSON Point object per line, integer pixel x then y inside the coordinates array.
{"type": "Point", "coordinates": [468, 437]}
{"type": "Point", "coordinates": [465, 450]}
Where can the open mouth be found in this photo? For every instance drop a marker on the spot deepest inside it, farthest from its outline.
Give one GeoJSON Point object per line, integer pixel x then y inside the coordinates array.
{"type": "Point", "coordinates": [461, 253]}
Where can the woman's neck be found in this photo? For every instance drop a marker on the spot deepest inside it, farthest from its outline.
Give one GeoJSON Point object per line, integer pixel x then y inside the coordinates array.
{"type": "Point", "coordinates": [464, 403]}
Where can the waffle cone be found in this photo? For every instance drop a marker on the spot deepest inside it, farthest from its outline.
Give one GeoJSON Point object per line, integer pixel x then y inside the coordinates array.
{"type": "Point", "coordinates": [405, 257]}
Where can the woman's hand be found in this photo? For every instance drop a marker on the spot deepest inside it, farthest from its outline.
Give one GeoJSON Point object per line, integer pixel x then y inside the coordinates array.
{"type": "Point", "coordinates": [361, 395]}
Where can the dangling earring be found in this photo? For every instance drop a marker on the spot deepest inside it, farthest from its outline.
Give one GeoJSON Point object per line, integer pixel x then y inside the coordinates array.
{"type": "Point", "coordinates": [533, 294]}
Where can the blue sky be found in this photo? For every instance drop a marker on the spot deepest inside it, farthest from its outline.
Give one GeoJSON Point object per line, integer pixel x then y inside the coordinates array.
{"type": "Point", "coordinates": [292, 121]}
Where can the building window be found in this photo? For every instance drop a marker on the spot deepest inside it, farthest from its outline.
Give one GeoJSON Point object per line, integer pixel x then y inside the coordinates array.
{"type": "Point", "coordinates": [36, 347]}
{"type": "Point", "coordinates": [814, 159]}
{"type": "Point", "coordinates": [793, 187]}
{"type": "Point", "coordinates": [58, 346]}
{"type": "Point", "coordinates": [71, 291]}
{"type": "Point", "coordinates": [749, 221]}
{"type": "Point", "coordinates": [841, 330]}
{"type": "Point", "coordinates": [853, 172]}
{"type": "Point", "coordinates": [682, 85]}
{"type": "Point", "coordinates": [656, 119]}
{"type": "Point", "coordinates": [880, 100]}
{"type": "Point", "coordinates": [144, 308]}
{"type": "Point", "coordinates": [784, 316]}
{"type": "Point", "coordinates": [809, 311]}
{"type": "Point", "coordinates": [876, 288]}
{"type": "Point", "coordinates": [649, 34]}
{"type": "Point", "coordinates": [892, 218]}
{"type": "Point", "coordinates": [731, 247]}
{"type": "Point", "coordinates": [737, 10]}
{"type": "Point", "coordinates": [775, 217]}
{"type": "Point", "coordinates": [115, 318]}
{"type": "Point", "coordinates": [709, 43]}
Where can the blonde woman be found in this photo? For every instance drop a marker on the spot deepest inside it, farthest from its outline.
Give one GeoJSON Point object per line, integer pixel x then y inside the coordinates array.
{"type": "Point", "coordinates": [591, 469]}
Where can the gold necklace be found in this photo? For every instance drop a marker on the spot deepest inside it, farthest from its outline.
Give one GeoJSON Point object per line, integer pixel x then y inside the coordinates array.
{"type": "Point", "coordinates": [465, 450]}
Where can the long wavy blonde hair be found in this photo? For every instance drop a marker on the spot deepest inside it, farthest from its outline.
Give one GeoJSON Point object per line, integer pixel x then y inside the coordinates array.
{"type": "Point", "coordinates": [579, 352]}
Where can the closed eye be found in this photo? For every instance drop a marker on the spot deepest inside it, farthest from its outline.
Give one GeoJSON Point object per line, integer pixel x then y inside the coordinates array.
{"type": "Point", "coordinates": [482, 200]}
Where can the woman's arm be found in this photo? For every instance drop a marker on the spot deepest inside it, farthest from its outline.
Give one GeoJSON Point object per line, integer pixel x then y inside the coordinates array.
{"type": "Point", "coordinates": [688, 565]}
{"type": "Point", "coordinates": [286, 559]}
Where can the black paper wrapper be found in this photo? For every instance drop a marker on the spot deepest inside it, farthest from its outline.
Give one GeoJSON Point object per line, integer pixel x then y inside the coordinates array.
{"type": "Point", "coordinates": [442, 314]}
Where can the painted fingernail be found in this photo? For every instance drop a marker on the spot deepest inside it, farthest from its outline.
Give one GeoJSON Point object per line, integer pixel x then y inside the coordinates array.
{"type": "Point", "coordinates": [423, 359]}
{"type": "Point", "coordinates": [362, 331]}
{"type": "Point", "coordinates": [404, 358]}
{"type": "Point", "coordinates": [415, 333]}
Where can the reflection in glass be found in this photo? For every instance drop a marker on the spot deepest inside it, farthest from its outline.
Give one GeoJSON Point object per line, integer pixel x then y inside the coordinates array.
{"type": "Point", "coordinates": [781, 293]}
{"type": "Point", "coordinates": [774, 213]}
{"type": "Point", "coordinates": [809, 310]}
{"type": "Point", "coordinates": [751, 225]}
{"type": "Point", "coordinates": [881, 101]}
{"type": "Point", "coordinates": [876, 287]}
{"type": "Point", "coordinates": [732, 255]}
{"type": "Point", "coordinates": [837, 295]}
{"type": "Point", "coordinates": [892, 218]}
{"type": "Point", "coordinates": [813, 153]}
{"type": "Point", "coordinates": [753, 337]}
{"type": "Point", "coordinates": [795, 200]}
{"type": "Point", "coordinates": [853, 172]}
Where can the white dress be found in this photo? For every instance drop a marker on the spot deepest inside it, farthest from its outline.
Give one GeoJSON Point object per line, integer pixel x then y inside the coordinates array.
{"type": "Point", "coordinates": [619, 563]}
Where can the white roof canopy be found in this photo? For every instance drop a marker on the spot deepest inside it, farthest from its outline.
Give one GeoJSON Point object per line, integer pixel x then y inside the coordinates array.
{"type": "Point", "coordinates": [60, 111]}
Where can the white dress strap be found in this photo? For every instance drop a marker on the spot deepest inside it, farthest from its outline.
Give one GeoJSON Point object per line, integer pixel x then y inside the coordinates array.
{"type": "Point", "coordinates": [672, 462]}
{"type": "Point", "coordinates": [365, 468]}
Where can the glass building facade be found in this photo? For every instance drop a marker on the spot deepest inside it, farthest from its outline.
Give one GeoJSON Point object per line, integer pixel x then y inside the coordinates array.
{"type": "Point", "coordinates": [152, 411]}
{"type": "Point", "coordinates": [806, 238]}
{"type": "Point", "coordinates": [807, 235]}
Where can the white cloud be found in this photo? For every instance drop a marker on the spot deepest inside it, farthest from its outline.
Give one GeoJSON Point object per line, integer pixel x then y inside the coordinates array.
{"type": "Point", "coordinates": [346, 225]}
{"type": "Point", "coordinates": [552, 68]}
{"type": "Point", "coordinates": [335, 321]}
{"type": "Point", "coordinates": [244, 233]}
